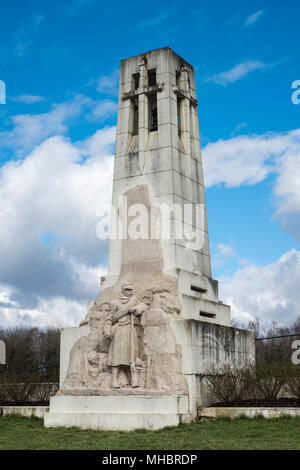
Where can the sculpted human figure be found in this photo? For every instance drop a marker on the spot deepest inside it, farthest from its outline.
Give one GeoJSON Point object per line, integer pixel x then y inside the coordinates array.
{"type": "Point", "coordinates": [87, 318]}
{"type": "Point", "coordinates": [88, 357]}
{"type": "Point", "coordinates": [143, 73]}
{"type": "Point", "coordinates": [123, 351]}
{"type": "Point", "coordinates": [160, 348]}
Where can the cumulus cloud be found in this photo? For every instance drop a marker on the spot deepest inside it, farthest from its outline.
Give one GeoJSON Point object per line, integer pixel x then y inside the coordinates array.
{"type": "Point", "coordinates": [109, 84]}
{"type": "Point", "coordinates": [242, 160]}
{"type": "Point", "coordinates": [287, 188]}
{"type": "Point", "coordinates": [29, 130]}
{"type": "Point", "coordinates": [238, 128]}
{"type": "Point", "coordinates": [27, 99]}
{"type": "Point", "coordinates": [102, 110]}
{"type": "Point", "coordinates": [248, 160]}
{"type": "Point", "coordinates": [56, 311]}
{"type": "Point", "coordinates": [251, 19]}
{"type": "Point", "coordinates": [225, 250]}
{"type": "Point", "coordinates": [269, 293]}
{"type": "Point", "coordinates": [50, 254]}
{"type": "Point", "coordinates": [222, 255]}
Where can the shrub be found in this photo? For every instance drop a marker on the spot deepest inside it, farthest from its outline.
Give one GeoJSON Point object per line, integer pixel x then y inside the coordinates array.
{"type": "Point", "coordinates": [251, 381]}
{"type": "Point", "coordinates": [293, 381]}
{"type": "Point", "coordinates": [14, 391]}
{"type": "Point", "coordinates": [270, 380]}
{"type": "Point", "coordinates": [228, 383]}
{"type": "Point", "coordinates": [21, 388]}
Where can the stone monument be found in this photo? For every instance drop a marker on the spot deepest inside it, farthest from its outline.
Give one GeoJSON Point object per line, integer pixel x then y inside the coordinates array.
{"type": "Point", "coordinates": [138, 358]}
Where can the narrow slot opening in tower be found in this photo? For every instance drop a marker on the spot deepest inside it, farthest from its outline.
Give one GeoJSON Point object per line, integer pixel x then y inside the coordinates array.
{"type": "Point", "coordinates": [135, 105]}
{"type": "Point", "coordinates": [152, 103]}
{"type": "Point", "coordinates": [135, 81]}
{"type": "Point", "coordinates": [151, 77]}
{"type": "Point", "coordinates": [207, 315]}
{"type": "Point", "coordinates": [179, 123]}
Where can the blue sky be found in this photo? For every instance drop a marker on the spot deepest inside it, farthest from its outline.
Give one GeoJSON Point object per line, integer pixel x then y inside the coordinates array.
{"type": "Point", "coordinates": [60, 61]}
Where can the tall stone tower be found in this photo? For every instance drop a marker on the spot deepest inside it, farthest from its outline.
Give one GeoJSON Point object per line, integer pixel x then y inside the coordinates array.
{"type": "Point", "coordinates": [158, 145]}
{"type": "Point", "coordinates": [138, 358]}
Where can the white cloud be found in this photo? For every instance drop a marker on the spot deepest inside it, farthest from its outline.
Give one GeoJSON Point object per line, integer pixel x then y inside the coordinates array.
{"type": "Point", "coordinates": [241, 160]}
{"type": "Point", "coordinates": [225, 250]}
{"type": "Point", "coordinates": [248, 160]}
{"type": "Point", "coordinates": [57, 311]}
{"type": "Point", "coordinates": [237, 72]}
{"type": "Point", "coordinates": [5, 296]}
{"type": "Point", "coordinates": [269, 293]}
{"type": "Point", "coordinates": [27, 99]}
{"type": "Point", "coordinates": [222, 255]}
{"type": "Point", "coordinates": [51, 259]}
{"type": "Point", "coordinates": [29, 130]}
{"type": "Point", "coordinates": [254, 18]}
{"type": "Point", "coordinates": [109, 84]}
{"type": "Point", "coordinates": [287, 188]}
{"type": "Point", "coordinates": [238, 128]}
{"type": "Point", "coordinates": [102, 110]}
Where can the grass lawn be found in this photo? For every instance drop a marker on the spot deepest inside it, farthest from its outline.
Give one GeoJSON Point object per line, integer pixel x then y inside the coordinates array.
{"type": "Point", "coordinates": [242, 433]}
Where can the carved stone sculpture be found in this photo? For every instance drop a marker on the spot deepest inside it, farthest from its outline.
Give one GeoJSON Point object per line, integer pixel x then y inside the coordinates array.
{"type": "Point", "coordinates": [131, 346]}
{"type": "Point", "coordinates": [88, 357]}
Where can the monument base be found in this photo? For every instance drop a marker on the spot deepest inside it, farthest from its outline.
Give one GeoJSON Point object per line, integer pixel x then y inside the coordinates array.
{"type": "Point", "coordinates": [119, 413]}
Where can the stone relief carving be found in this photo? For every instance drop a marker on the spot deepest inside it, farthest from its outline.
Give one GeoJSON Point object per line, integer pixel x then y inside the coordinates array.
{"type": "Point", "coordinates": [131, 347]}
{"type": "Point", "coordinates": [124, 349]}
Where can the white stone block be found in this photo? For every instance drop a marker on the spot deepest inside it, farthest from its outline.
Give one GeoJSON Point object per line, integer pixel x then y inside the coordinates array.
{"type": "Point", "coordinates": [69, 336]}
{"type": "Point", "coordinates": [117, 412]}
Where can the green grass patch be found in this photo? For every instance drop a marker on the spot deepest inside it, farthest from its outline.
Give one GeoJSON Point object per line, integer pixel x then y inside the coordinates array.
{"type": "Point", "coordinates": [283, 433]}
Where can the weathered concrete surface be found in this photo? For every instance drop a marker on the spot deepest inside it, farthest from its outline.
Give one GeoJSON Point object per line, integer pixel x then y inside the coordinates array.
{"type": "Point", "coordinates": [204, 344]}
{"type": "Point", "coordinates": [26, 411]}
{"type": "Point", "coordinates": [68, 337]}
{"type": "Point", "coordinates": [248, 412]}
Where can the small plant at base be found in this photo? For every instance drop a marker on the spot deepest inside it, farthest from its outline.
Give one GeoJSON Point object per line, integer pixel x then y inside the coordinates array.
{"type": "Point", "coordinates": [270, 380]}
{"type": "Point", "coordinates": [293, 381]}
{"type": "Point", "coordinates": [226, 382]}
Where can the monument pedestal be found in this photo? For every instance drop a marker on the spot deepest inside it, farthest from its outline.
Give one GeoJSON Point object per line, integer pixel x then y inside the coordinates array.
{"type": "Point", "coordinates": [117, 412]}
